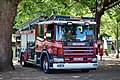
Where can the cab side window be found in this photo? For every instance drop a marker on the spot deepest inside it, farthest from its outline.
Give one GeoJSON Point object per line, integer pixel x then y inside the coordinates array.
{"type": "Point", "coordinates": [50, 31]}
{"type": "Point", "coordinates": [41, 31]}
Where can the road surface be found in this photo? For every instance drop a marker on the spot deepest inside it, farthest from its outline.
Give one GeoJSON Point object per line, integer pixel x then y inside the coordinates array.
{"type": "Point", "coordinates": [107, 70]}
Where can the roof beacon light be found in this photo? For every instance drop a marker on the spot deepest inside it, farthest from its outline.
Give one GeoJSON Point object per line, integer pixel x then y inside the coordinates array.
{"type": "Point", "coordinates": [69, 23]}
{"type": "Point", "coordinates": [87, 23]}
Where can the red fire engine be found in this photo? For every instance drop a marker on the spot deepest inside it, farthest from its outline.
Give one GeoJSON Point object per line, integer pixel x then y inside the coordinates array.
{"type": "Point", "coordinates": [58, 42]}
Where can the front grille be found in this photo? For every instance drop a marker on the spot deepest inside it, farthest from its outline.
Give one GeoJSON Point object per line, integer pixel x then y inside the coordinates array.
{"type": "Point", "coordinates": [78, 50]}
{"type": "Point", "coordinates": [80, 53]}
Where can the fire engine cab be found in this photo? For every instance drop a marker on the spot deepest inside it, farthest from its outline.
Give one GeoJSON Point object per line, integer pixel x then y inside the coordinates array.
{"type": "Point", "coordinates": [58, 42]}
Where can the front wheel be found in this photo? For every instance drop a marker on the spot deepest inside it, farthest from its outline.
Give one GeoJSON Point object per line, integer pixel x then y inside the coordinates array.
{"type": "Point", "coordinates": [46, 65]}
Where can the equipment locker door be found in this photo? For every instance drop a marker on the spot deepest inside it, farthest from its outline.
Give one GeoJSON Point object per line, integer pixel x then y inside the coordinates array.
{"type": "Point", "coordinates": [23, 42]}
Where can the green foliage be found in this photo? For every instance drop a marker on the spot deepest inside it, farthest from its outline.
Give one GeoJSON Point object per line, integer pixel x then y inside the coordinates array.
{"type": "Point", "coordinates": [110, 21]}
{"type": "Point", "coordinates": [29, 9]}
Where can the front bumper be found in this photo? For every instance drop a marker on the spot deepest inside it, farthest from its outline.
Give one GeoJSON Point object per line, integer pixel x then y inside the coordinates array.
{"type": "Point", "coordinates": [74, 66]}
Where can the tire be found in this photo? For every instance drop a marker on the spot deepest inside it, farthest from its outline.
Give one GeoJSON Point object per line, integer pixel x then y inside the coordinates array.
{"type": "Point", "coordinates": [85, 70]}
{"type": "Point", "coordinates": [22, 61]}
{"type": "Point", "coordinates": [45, 65]}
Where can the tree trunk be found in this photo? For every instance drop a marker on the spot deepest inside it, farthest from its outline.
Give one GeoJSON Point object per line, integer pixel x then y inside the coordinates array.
{"type": "Point", "coordinates": [98, 20]}
{"type": "Point", "coordinates": [8, 10]}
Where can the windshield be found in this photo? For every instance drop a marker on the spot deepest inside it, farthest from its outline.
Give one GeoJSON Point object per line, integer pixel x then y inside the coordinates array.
{"type": "Point", "coordinates": [75, 33]}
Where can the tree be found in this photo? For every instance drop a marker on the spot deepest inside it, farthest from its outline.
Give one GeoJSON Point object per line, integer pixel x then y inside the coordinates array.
{"type": "Point", "coordinates": [110, 21]}
{"type": "Point", "coordinates": [29, 9]}
{"type": "Point", "coordinates": [8, 10]}
{"type": "Point", "coordinates": [102, 6]}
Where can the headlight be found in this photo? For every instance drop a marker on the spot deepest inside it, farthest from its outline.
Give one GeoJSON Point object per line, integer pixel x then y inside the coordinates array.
{"type": "Point", "coordinates": [94, 59]}
{"type": "Point", "coordinates": [58, 60]}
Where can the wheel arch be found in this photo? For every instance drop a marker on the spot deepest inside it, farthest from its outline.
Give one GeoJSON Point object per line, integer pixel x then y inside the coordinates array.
{"type": "Point", "coordinates": [22, 55]}
{"type": "Point", "coordinates": [23, 59]}
{"type": "Point", "coordinates": [43, 54]}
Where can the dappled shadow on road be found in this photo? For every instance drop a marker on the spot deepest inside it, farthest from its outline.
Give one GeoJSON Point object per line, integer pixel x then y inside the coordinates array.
{"type": "Point", "coordinates": [107, 70]}
{"type": "Point", "coordinates": [108, 66]}
{"type": "Point", "coordinates": [66, 71]}
{"type": "Point", "coordinates": [23, 73]}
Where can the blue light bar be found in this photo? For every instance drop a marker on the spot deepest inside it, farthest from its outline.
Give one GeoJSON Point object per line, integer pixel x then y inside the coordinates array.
{"type": "Point", "coordinates": [87, 18]}
{"type": "Point", "coordinates": [61, 16]}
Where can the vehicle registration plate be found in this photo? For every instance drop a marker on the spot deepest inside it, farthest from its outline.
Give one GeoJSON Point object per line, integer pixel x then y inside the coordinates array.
{"type": "Point", "coordinates": [77, 58]}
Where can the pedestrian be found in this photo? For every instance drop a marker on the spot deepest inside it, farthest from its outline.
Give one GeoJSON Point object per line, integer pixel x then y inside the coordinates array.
{"type": "Point", "coordinates": [105, 47]}
{"type": "Point", "coordinates": [112, 49]}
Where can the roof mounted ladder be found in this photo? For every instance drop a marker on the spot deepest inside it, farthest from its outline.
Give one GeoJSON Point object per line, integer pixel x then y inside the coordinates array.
{"type": "Point", "coordinates": [30, 22]}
